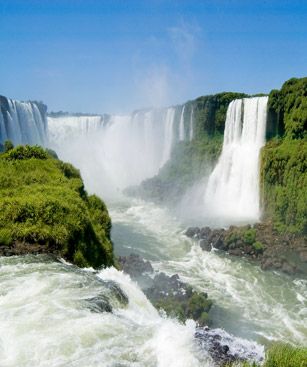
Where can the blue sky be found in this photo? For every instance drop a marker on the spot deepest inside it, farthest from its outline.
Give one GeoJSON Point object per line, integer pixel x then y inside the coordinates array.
{"type": "Point", "coordinates": [116, 56]}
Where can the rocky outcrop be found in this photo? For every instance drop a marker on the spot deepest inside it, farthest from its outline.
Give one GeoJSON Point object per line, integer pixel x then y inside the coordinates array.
{"type": "Point", "coordinates": [260, 243]}
{"type": "Point", "coordinates": [168, 293]}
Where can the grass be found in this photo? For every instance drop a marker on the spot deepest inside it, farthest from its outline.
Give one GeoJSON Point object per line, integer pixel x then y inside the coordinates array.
{"type": "Point", "coordinates": [43, 201]}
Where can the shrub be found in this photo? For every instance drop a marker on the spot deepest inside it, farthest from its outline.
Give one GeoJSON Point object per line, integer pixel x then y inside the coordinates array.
{"type": "Point", "coordinates": [258, 247]}
{"type": "Point", "coordinates": [249, 236]}
{"type": "Point", "coordinates": [8, 145]}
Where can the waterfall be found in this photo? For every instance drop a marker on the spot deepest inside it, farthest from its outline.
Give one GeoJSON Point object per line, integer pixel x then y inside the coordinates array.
{"type": "Point", "coordinates": [232, 191]}
{"type": "Point", "coordinates": [121, 152]}
{"type": "Point", "coordinates": [181, 125]}
{"type": "Point", "coordinates": [22, 122]}
{"type": "Point", "coordinates": [192, 124]}
{"type": "Point", "coordinates": [63, 127]}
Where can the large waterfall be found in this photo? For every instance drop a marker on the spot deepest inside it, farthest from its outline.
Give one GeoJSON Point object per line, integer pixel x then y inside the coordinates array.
{"type": "Point", "coordinates": [121, 151]}
{"type": "Point", "coordinates": [233, 188]}
{"type": "Point", "coordinates": [22, 122]}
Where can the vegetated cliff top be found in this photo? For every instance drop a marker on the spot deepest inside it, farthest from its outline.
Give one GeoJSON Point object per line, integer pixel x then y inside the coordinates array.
{"type": "Point", "coordinates": [284, 158]}
{"type": "Point", "coordinates": [45, 209]}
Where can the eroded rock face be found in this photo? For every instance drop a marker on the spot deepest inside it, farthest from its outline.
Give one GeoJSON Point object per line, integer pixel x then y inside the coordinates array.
{"type": "Point", "coordinates": [168, 293]}
{"type": "Point", "coordinates": [260, 243]}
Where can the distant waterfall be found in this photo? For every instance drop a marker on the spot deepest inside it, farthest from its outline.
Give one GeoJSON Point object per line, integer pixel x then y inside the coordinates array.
{"type": "Point", "coordinates": [181, 124]}
{"type": "Point", "coordinates": [192, 124]}
{"type": "Point", "coordinates": [22, 122]}
{"type": "Point", "coordinates": [233, 187]}
{"type": "Point", "coordinates": [120, 152]}
{"type": "Point", "coordinates": [69, 127]}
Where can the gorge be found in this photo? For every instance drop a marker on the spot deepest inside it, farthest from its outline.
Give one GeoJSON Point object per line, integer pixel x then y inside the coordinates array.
{"type": "Point", "coordinates": [141, 164]}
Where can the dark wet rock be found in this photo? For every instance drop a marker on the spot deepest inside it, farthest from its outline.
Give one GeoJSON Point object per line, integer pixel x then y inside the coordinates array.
{"type": "Point", "coordinates": [117, 292]}
{"type": "Point", "coordinates": [134, 265]}
{"type": "Point", "coordinates": [99, 304]}
{"type": "Point", "coordinates": [204, 232]}
{"type": "Point", "coordinates": [18, 248]}
{"type": "Point", "coordinates": [169, 293]}
{"type": "Point", "coordinates": [260, 243]}
{"type": "Point", "coordinates": [192, 232]}
{"type": "Point", "coordinates": [220, 346]}
{"type": "Point", "coordinates": [205, 245]}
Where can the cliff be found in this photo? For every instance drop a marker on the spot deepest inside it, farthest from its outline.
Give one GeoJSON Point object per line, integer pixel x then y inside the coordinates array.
{"type": "Point", "coordinates": [45, 209]}
{"type": "Point", "coordinates": [284, 158]}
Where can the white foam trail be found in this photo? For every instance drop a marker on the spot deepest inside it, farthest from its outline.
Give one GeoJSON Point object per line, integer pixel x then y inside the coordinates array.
{"type": "Point", "coordinates": [233, 187]}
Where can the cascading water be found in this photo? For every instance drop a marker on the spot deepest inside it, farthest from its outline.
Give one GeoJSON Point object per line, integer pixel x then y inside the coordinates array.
{"type": "Point", "coordinates": [52, 312]}
{"type": "Point", "coordinates": [181, 124]}
{"type": "Point", "coordinates": [120, 153]}
{"type": "Point", "coordinates": [232, 192]}
{"type": "Point", "coordinates": [22, 122]}
{"type": "Point", "coordinates": [192, 124]}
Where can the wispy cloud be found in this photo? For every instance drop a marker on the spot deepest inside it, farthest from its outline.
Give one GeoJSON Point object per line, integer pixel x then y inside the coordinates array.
{"type": "Point", "coordinates": [165, 78]}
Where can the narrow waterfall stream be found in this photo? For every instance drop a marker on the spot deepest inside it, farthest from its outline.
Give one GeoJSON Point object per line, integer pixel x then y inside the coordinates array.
{"type": "Point", "coordinates": [232, 192]}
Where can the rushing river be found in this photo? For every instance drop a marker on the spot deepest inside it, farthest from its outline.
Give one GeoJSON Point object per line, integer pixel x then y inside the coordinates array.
{"type": "Point", "coordinates": [46, 318]}
{"type": "Point", "coordinates": [48, 308]}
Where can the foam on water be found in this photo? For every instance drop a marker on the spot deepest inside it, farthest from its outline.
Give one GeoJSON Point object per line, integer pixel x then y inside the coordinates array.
{"type": "Point", "coordinates": [45, 322]}
{"type": "Point", "coordinates": [250, 303]}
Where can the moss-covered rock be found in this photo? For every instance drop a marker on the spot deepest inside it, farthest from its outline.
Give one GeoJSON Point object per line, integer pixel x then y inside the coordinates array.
{"type": "Point", "coordinates": [284, 159]}
{"type": "Point", "coordinates": [44, 208]}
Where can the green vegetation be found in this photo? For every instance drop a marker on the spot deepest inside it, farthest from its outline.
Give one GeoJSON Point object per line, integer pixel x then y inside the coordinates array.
{"type": "Point", "coordinates": [43, 202]}
{"type": "Point", "coordinates": [239, 237]}
{"type": "Point", "coordinates": [284, 159]}
{"type": "Point", "coordinates": [189, 162]}
{"type": "Point", "coordinates": [196, 307]}
{"type": "Point", "coordinates": [210, 113]}
{"type": "Point", "coordinates": [282, 355]}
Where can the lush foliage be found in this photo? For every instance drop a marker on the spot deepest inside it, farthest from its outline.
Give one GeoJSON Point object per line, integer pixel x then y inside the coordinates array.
{"type": "Point", "coordinates": [189, 162]}
{"type": "Point", "coordinates": [284, 159]}
{"type": "Point", "coordinates": [243, 236]}
{"type": "Point", "coordinates": [289, 108]}
{"type": "Point", "coordinates": [43, 201]}
{"type": "Point", "coordinates": [196, 306]}
{"type": "Point", "coordinates": [210, 113]}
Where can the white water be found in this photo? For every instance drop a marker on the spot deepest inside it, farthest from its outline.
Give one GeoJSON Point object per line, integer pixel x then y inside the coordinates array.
{"type": "Point", "coordinates": [46, 322]}
{"type": "Point", "coordinates": [120, 153]}
{"type": "Point", "coordinates": [181, 125]}
{"type": "Point", "coordinates": [22, 123]}
{"type": "Point", "coordinates": [249, 303]}
{"type": "Point", "coordinates": [192, 124]}
{"type": "Point", "coordinates": [232, 193]}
